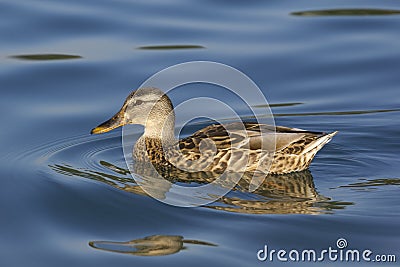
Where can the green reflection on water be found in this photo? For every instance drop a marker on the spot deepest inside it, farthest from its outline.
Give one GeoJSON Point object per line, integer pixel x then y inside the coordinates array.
{"type": "Point", "coordinates": [40, 57]}
{"type": "Point", "coordinates": [349, 112]}
{"type": "Point", "coordinates": [374, 182]}
{"type": "Point", "coordinates": [278, 105]}
{"type": "Point", "coordinates": [170, 47]}
{"type": "Point", "coordinates": [346, 12]}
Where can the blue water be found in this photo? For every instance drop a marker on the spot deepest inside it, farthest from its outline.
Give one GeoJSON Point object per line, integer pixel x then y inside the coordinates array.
{"type": "Point", "coordinates": [66, 198]}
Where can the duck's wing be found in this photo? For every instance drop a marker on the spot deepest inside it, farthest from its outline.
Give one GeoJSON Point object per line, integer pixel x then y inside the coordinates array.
{"type": "Point", "coordinates": [290, 140]}
{"type": "Point", "coordinates": [254, 136]}
{"type": "Point", "coordinates": [308, 141]}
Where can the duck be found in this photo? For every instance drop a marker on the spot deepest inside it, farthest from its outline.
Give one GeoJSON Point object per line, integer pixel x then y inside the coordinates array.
{"type": "Point", "coordinates": [235, 147]}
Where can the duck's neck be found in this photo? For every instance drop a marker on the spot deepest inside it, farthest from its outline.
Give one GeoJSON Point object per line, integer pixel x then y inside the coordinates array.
{"type": "Point", "coordinates": [161, 128]}
{"type": "Point", "coordinates": [158, 135]}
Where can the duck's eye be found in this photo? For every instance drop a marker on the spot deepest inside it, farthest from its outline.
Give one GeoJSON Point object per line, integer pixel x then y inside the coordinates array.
{"type": "Point", "coordinates": [138, 102]}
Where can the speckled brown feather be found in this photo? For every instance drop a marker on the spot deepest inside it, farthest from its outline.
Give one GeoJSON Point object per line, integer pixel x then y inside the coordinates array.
{"type": "Point", "coordinates": [218, 147]}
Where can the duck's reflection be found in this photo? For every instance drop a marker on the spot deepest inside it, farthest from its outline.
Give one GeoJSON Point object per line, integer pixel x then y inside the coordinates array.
{"type": "Point", "coordinates": [155, 245]}
{"type": "Point", "coordinates": [279, 194]}
{"type": "Point", "coordinates": [292, 193]}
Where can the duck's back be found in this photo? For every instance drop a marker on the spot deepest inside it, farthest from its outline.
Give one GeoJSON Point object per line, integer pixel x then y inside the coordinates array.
{"type": "Point", "coordinates": [247, 147]}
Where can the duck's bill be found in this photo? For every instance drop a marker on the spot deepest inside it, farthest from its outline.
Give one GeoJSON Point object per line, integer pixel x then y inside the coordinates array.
{"type": "Point", "coordinates": [107, 126]}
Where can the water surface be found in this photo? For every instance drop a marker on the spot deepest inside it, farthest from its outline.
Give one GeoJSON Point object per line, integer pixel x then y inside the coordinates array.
{"type": "Point", "coordinates": [67, 198]}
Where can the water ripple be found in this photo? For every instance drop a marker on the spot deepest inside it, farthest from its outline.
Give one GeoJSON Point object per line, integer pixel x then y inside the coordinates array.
{"type": "Point", "coordinates": [100, 159]}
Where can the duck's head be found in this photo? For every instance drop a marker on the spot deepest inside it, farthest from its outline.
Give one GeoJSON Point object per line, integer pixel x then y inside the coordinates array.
{"type": "Point", "coordinates": [149, 107]}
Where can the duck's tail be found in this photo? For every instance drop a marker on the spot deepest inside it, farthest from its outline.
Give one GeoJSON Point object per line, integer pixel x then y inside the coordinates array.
{"type": "Point", "coordinates": [319, 143]}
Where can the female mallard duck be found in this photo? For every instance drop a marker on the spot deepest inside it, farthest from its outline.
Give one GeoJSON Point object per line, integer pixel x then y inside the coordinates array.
{"type": "Point", "coordinates": [238, 147]}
